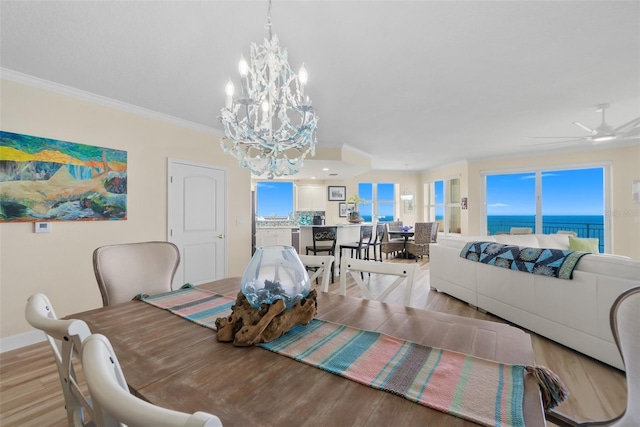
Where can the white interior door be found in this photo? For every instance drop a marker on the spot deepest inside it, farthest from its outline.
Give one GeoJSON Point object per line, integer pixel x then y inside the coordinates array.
{"type": "Point", "coordinates": [196, 221]}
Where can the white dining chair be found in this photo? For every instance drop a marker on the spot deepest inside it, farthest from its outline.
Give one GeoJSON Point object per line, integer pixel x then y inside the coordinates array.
{"type": "Point", "coordinates": [126, 270]}
{"type": "Point", "coordinates": [355, 267]}
{"type": "Point", "coordinates": [321, 266]}
{"type": "Point", "coordinates": [624, 318]}
{"type": "Point", "coordinates": [115, 406]}
{"type": "Point", "coordinates": [66, 338]}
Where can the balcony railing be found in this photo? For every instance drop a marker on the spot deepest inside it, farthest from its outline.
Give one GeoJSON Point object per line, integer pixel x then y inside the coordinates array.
{"type": "Point", "coordinates": [548, 227]}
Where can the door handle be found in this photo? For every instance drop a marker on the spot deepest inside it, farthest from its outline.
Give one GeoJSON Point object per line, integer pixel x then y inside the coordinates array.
{"type": "Point", "coordinates": [220, 236]}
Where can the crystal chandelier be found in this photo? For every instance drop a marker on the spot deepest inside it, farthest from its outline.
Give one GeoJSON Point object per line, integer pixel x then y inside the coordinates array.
{"type": "Point", "coordinates": [270, 127]}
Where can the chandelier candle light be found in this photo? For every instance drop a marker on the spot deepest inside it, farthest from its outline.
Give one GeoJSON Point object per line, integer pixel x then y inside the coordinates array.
{"type": "Point", "coordinates": [271, 126]}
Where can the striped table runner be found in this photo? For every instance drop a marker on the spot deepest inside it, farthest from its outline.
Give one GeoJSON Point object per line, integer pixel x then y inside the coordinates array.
{"type": "Point", "coordinates": [483, 391]}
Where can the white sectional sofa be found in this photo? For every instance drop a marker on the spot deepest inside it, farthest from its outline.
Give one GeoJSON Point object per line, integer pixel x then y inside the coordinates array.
{"type": "Point", "coordinates": [572, 312]}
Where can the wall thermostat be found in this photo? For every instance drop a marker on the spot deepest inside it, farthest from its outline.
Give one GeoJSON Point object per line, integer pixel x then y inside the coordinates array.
{"type": "Point", "coordinates": [42, 227]}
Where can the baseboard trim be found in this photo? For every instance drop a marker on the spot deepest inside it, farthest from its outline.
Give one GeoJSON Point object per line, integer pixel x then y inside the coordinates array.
{"type": "Point", "coordinates": [14, 342]}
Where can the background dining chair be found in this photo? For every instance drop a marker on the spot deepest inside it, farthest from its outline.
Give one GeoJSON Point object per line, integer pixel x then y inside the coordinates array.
{"type": "Point", "coordinates": [419, 246]}
{"type": "Point", "coordinates": [320, 265]}
{"type": "Point", "coordinates": [362, 245]}
{"type": "Point", "coordinates": [394, 225]}
{"type": "Point", "coordinates": [324, 240]}
{"type": "Point", "coordinates": [115, 405]}
{"type": "Point", "coordinates": [434, 231]}
{"type": "Point", "coordinates": [390, 246]}
{"type": "Point", "coordinates": [376, 244]}
{"type": "Point", "coordinates": [126, 270]}
{"type": "Point", "coordinates": [624, 319]}
{"type": "Point", "coordinates": [399, 271]}
{"type": "Point", "coordinates": [66, 338]}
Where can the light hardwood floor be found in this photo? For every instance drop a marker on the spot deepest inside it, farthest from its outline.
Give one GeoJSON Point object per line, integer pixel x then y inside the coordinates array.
{"type": "Point", "coordinates": [30, 392]}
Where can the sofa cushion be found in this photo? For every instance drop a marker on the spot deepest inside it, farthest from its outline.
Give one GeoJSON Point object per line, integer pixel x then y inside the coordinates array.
{"type": "Point", "coordinates": [584, 244]}
{"type": "Point", "coordinates": [553, 241]}
{"type": "Point", "coordinates": [528, 240]}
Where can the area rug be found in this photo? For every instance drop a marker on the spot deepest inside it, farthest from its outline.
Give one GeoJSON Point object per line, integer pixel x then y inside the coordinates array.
{"type": "Point", "coordinates": [483, 391]}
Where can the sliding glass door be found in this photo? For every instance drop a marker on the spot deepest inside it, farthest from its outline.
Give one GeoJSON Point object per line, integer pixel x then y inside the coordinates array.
{"type": "Point", "coordinates": [548, 201]}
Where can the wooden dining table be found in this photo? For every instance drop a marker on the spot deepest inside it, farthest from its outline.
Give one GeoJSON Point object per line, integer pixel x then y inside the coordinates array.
{"type": "Point", "coordinates": [175, 363]}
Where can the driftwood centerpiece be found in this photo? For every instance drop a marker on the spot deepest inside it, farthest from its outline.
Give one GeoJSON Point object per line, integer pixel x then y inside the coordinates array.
{"type": "Point", "coordinates": [248, 326]}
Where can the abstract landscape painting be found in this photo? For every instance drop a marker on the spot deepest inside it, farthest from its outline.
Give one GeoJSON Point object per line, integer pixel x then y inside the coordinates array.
{"type": "Point", "coordinates": [49, 180]}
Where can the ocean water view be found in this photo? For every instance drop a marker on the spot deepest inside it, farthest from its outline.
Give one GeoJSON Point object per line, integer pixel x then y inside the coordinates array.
{"type": "Point", "coordinates": [583, 225]}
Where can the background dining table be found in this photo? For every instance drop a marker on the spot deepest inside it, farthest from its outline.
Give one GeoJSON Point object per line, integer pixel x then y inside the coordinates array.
{"type": "Point", "coordinates": [175, 363]}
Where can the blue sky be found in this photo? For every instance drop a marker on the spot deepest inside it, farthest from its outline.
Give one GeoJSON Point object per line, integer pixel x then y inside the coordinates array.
{"type": "Point", "coordinates": [566, 192]}
{"type": "Point", "coordinates": [274, 198]}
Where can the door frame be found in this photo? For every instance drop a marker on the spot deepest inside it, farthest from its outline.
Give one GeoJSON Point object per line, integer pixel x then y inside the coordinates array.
{"type": "Point", "coordinates": [171, 199]}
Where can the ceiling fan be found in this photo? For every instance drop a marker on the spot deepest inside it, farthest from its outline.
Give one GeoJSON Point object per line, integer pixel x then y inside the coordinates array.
{"type": "Point", "coordinates": [603, 133]}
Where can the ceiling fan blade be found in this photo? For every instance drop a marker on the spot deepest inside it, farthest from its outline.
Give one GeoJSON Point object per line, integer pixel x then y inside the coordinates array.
{"type": "Point", "coordinates": [632, 123]}
{"type": "Point", "coordinates": [554, 143]}
{"type": "Point", "coordinates": [632, 134]}
{"type": "Point", "coordinates": [588, 129]}
{"type": "Point", "coordinates": [559, 137]}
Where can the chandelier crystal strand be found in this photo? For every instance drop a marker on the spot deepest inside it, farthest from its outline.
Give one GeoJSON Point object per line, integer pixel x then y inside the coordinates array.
{"type": "Point", "coordinates": [271, 126]}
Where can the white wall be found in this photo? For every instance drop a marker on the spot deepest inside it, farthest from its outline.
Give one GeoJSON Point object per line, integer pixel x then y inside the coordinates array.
{"type": "Point", "coordinates": [59, 264]}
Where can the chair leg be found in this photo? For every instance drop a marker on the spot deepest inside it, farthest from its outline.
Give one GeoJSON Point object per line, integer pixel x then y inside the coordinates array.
{"type": "Point", "coordinates": [333, 272]}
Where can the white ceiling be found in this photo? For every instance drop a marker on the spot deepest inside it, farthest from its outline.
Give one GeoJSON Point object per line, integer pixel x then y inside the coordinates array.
{"type": "Point", "coordinates": [417, 83]}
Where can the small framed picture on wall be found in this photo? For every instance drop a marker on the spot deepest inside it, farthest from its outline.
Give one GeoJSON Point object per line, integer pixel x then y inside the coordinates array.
{"type": "Point", "coordinates": [345, 209]}
{"type": "Point", "coordinates": [337, 193]}
{"type": "Point", "coordinates": [342, 210]}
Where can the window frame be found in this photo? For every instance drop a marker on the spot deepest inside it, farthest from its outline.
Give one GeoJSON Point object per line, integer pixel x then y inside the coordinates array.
{"type": "Point", "coordinates": [375, 202]}
{"type": "Point", "coordinates": [539, 171]}
{"type": "Point", "coordinates": [447, 206]}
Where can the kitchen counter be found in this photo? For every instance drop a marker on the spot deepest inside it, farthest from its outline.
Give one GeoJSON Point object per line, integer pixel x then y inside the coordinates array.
{"type": "Point", "coordinates": [338, 225]}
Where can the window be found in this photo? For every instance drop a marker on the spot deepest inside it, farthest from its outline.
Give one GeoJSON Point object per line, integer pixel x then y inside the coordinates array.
{"type": "Point", "coordinates": [386, 201]}
{"type": "Point", "coordinates": [511, 202]}
{"type": "Point", "coordinates": [548, 201]}
{"type": "Point", "coordinates": [274, 199]}
{"type": "Point", "coordinates": [365, 192]}
{"type": "Point", "coordinates": [443, 204]}
{"type": "Point", "coordinates": [382, 201]}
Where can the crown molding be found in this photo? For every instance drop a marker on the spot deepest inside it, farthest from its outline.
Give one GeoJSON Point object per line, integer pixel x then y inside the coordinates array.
{"type": "Point", "coordinates": [39, 83]}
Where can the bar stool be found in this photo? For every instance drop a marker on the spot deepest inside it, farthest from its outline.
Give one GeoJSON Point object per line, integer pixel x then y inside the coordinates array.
{"type": "Point", "coordinates": [377, 241]}
{"type": "Point", "coordinates": [366, 232]}
{"type": "Point", "coordinates": [327, 235]}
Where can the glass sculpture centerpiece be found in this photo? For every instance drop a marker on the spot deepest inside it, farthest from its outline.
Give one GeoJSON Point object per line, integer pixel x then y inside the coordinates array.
{"type": "Point", "coordinates": [275, 272]}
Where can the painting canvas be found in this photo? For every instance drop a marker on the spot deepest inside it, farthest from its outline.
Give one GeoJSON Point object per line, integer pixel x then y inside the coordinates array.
{"type": "Point", "coordinates": [49, 180]}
